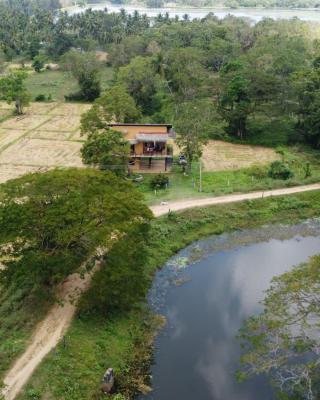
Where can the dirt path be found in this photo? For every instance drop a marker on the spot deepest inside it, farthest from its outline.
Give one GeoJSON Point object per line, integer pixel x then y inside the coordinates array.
{"type": "Point", "coordinates": [182, 205]}
{"type": "Point", "coordinates": [50, 331]}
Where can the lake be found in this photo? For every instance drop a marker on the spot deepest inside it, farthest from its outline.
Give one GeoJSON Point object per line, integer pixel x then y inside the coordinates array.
{"type": "Point", "coordinates": [254, 14]}
{"type": "Point", "coordinates": [205, 293]}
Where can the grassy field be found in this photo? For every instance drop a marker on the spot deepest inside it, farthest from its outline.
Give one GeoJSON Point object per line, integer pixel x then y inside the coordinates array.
{"type": "Point", "coordinates": [232, 181]}
{"type": "Point", "coordinates": [59, 83]}
{"type": "Point", "coordinates": [73, 371]}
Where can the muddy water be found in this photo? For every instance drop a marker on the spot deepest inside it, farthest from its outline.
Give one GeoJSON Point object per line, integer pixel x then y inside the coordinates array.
{"type": "Point", "coordinates": [206, 292]}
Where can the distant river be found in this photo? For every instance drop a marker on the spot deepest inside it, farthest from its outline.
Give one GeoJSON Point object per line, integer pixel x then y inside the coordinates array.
{"type": "Point", "coordinates": [205, 293]}
{"type": "Point", "coordinates": [254, 14]}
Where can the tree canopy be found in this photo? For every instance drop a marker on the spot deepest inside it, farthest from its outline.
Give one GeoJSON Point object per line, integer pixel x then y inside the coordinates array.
{"type": "Point", "coordinates": [52, 222]}
{"type": "Point", "coordinates": [283, 341]}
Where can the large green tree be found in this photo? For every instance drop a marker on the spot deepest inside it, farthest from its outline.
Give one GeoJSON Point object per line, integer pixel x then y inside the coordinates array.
{"type": "Point", "coordinates": [308, 89]}
{"type": "Point", "coordinates": [85, 67]}
{"type": "Point", "coordinates": [283, 341]}
{"type": "Point", "coordinates": [108, 150]}
{"type": "Point", "coordinates": [13, 89]}
{"type": "Point", "coordinates": [191, 125]}
{"type": "Point", "coordinates": [114, 105]}
{"type": "Point", "coordinates": [51, 223]}
{"type": "Point", "coordinates": [235, 105]}
{"type": "Point", "coordinates": [140, 80]}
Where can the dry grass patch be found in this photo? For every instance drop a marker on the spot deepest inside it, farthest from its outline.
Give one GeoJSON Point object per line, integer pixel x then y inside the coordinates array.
{"type": "Point", "coordinates": [218, 156]}
{"type": "Point", "coordinates": [8, 136]}
{"type": "Point", "coordinates": [38, 152]}
{"type": "Point", "coordinates": [40, 108]}
{"type": "Point", "coordinates": [26, 122]}
{"type": "Point", "coordinates": [8, 172]}
{"type": "Point", "coordinates": [50, 135]}
{"type": "Point", "coordinates": [77, 136]}
{"type": "Point", "coordinates": [62, 123]}
{"type": "Point", "coordinates": [46, 136]}
{"type": "Point", "coordinates": [69, 109]}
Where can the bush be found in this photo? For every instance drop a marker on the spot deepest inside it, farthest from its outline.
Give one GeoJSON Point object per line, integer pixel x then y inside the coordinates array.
{"type": "Point", "coordinates": [40, 97]}
{"type": "Point", "coordinates": [280, 170]}
{"type": "Point", "coordinates": [258, 171]}
{"type": "Point", "coordinates": [159, 181]}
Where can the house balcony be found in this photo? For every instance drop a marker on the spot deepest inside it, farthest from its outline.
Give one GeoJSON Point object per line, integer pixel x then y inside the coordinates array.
{"type": "Point", "coordinates": [152, 153]}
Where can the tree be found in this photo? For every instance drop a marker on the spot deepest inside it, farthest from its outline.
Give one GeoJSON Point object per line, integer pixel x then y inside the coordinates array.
{"type": "Point", "coordinates": [38, 63]}
{"type": "Point", "coordinates": [283, 341]}
{"type": "Point", "coordinates": [115, 105]}
{"type": "Point", "coordinates": [191, 135]}
{"type": "Point", "coordinates": [235, 105]}
{"type": "Point", "coordinates": [85, 68]}
{"type": "Point", "coordinates": [51, 223]}
{"type": "Point", "coordinates": [140, 80]}
{"type": "Point", "coordinates": [308, 90]}
{"type": "Point", "coordinates": [12, 88]}
{"type": "Point", "coordinates": [108, 150]}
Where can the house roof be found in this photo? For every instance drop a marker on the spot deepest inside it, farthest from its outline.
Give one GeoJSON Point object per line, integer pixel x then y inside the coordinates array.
{"type": "Point", "coordinates": [125, 124]}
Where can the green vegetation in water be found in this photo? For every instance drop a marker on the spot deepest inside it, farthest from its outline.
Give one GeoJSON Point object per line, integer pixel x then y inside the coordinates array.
{"type": "Point", "coordinates": [106, 341]}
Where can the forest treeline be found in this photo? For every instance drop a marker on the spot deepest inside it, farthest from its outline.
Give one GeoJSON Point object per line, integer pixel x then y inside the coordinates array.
{"type": "Point", "coordinates": [224, 79]}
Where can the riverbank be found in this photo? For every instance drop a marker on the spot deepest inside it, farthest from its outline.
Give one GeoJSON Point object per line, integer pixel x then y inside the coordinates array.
{"type": "Point", "coordinates": [124, 341]}
{"type": "Point", "coordinates": [255, 14]}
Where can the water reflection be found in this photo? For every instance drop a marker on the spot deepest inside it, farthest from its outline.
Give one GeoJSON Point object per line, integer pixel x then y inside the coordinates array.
{"type": "Point", "coordinates": [197, 353]}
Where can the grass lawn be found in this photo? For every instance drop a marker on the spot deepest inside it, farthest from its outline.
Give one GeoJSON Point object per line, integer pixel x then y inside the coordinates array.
{"type": "Point", "coordinates": [232, 181]}
{"type": "Point", "coordinates": [59, 83]}
{"type": "Point", "coordinates": [74, 369]}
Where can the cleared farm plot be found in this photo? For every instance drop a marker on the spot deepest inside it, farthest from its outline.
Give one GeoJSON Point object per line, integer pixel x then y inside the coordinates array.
{"type": "Point", "coordinates": [46, 136]}
{"type": "Point", "coordinates": [39, 152]}
{"type": "Point", "coordinates": [218, 156]}
{"type": "Point", "coordinates": [62, 123]}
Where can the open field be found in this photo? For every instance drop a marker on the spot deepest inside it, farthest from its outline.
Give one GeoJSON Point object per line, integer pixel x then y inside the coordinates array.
{"type": "Point", "coordinates": [59, 83]}
{"type": "Point", "coordinates": [46, 136]}
{"type": "Point", "coordinates": [219, 156]}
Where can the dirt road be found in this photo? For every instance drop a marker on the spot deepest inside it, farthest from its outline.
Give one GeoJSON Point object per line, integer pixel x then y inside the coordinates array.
{"type": "Point", "coordinates": [50, 331]}
{"type": "Point", "coordinates": [159, 210]}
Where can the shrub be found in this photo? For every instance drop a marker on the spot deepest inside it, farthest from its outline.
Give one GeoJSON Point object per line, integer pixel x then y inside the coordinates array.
{"type": "Point", "coordinates": [258, 171]}
{"type": "Point", "coordinates": [40, 97]}
{"type": "Point", "coordinates": [159, 181]}
{"type": "Point", "coordinates": [280, 170]}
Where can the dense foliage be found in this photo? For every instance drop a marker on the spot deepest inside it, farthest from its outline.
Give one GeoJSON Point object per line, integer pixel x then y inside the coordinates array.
{"type": "Point", "coordinates": [51, 223]}
{"type": "Point", "coordinates": [283, 341]}
{"type": "Point", "coordinates": [257, 83]}
{"type": "Point", "coordinates": [113, 341]}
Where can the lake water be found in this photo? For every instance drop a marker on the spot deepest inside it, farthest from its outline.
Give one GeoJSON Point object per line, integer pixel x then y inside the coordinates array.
{"type": "Point", "coordinates": [255, 15]}
{"type": "Point", "coordinates": [221, 281]}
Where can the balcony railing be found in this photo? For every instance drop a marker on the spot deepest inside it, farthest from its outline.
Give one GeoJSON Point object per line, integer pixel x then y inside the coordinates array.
{"type": "Point", "coordinates": [152, 153]}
